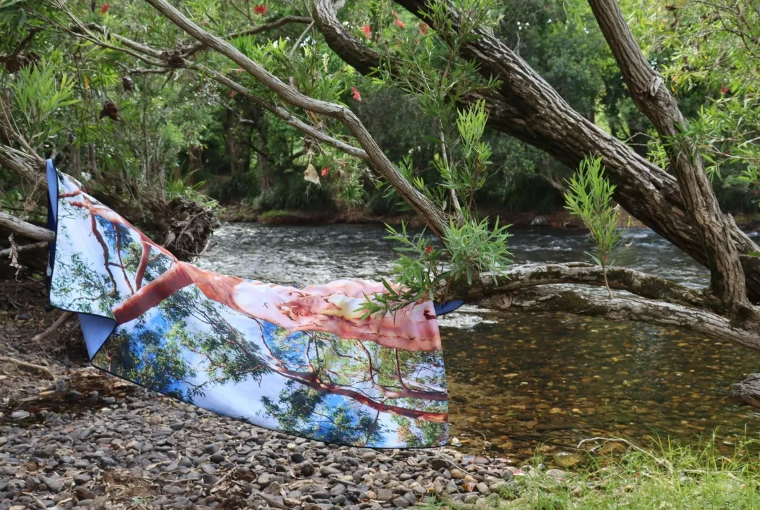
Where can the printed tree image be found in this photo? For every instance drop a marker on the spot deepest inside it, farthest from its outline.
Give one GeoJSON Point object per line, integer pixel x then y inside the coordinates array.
{"type": "Point", "coordinates": [302, 360]}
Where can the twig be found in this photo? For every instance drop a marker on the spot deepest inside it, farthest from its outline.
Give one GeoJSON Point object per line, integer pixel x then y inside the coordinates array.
{"type": "Point", "coordinates": [226, 475]}
{"type": "Point", "coordinates": [53, 327]}
{"type": "Point", "coordinates": [300, 39]}
{"type": "Point", "coordinates": [31, 366]}
{"type": "Point", "coordinates": [21, 249]}
{"type": "Point", "coordinates": [36, 500]}
{"type": "Point", "coordinates": [269, 500]}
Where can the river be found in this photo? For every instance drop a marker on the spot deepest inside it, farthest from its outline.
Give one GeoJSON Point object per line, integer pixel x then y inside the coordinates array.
{"type": "Point", "coordinates": [525, 381]}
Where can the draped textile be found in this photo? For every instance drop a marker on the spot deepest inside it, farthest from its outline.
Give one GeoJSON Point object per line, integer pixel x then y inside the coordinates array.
{"type": "Point", "coordinates": [298, 360]}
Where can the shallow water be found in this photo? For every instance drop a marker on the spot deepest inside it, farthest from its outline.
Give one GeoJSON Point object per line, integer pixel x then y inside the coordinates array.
{"type": "Point", "coordinates": [521, 380]}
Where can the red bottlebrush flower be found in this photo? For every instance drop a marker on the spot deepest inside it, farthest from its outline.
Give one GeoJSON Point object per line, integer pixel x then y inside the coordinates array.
{"type": "Point", "coordinates": [260, 9]}
{"type": "Point", "coordinates": [356, 94]}
{"type": "Point", "coordinates": [423, 28]}
{"type": "Point", "coordinates": [428, 249]}
{"type": "Point", "coordinates": [325, 171]}
{"type": "Point", "coordinates": [725, 90]}
{"type": "Point", "coordinates": [399, 23]}
{"type": "Point", "coordinates": [367, 31]}
{"type": "Point", "coordinates": [231, 93]}
{"type": "Point", "coordinates": [104, 8]}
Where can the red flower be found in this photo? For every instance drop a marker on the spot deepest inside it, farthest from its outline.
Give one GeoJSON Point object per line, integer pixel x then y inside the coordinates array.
{"type": "Point", "coordinates": [399, 23]}
{"type": "Point", "coordinates": [356, 94]}
{"type": "Point", "coordinates": [260, 9]}
{"type": "Point", "coordinates": [239, 70]}
{"type": "Point", "coordinates": [725, 90]}
{"type": "Point", "coordinates": [231, 93]}
{"type": "Point", "coordinates": [423, 28]}
{"type": "Point", "coordinates": [104, 8]}
{"type": "Point", "coordinates": [367, 31]}
{"type": "Point", "coordinates": [325, 171]}
{"type": "Point", "coordinates": [428, 249]}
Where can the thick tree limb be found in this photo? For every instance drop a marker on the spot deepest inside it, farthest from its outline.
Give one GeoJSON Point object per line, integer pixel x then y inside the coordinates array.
{"type": "Point", "coordinates": [26, 229]}
{"type": "Point", "coordinates": [653, 98]}
{"type": "Point", "coordinates": [433, 216]}
{"type": "Point", "coordinates": [528, 108]}
{"type": "Point", "coordinates": [620, 278]}
{"type": "Point", "coordinates": [627, 309]}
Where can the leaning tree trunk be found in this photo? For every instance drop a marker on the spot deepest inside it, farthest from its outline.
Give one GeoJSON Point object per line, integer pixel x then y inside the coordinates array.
{"type": "Point", "coordinates": [527, 107]}
{"type": "Point", "coordinates": [652, 97]}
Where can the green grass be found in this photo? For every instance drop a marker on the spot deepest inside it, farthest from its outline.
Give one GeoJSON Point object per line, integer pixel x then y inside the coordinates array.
{"type": "Point", "coordinates": [668, 477]}
{"type": "Point", "coordinates": [275, 213]}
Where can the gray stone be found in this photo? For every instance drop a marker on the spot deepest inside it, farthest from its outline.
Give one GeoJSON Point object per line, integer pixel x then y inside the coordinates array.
{"type": "Point", "coordinates": [82, 478]}
{"type": "Point", "coordinates": [384, 494]}
{"type": "Point", "coordinates": [20, 415]}
{"type": "Point", "coordinates": [557, 473]}
{"type": "Point", "coordinates": [338, 489]}
{"type": "Point", "coordinates": [53, 483]}
{"type": "Point", "coordinates": [401, 503]}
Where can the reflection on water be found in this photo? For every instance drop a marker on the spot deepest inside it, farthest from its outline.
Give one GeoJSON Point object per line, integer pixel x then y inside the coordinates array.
{"type": "Point", "coordinates": [522, 379]}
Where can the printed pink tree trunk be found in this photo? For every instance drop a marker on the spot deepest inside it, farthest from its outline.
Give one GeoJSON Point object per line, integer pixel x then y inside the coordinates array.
{"type": "Point", "coordinates": [331, 308]}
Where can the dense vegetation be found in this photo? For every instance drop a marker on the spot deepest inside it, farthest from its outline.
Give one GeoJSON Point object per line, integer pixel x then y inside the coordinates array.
{"type": "Point", "coordinates": [131, 129]}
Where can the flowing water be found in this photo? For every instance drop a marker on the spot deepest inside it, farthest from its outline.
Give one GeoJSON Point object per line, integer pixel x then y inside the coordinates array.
{"type": "Point", "coordinates": [525, 380]}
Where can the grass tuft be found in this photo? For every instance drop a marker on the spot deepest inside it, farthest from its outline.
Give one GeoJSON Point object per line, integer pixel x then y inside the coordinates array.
{"type": "Point", "coordinates": [666, 477]}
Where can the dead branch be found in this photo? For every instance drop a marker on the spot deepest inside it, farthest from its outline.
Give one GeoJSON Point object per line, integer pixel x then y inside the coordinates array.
{"type": "Point", "coordinates": [30, 366]}
{"type": "Point", "coordinates": [53, 327]}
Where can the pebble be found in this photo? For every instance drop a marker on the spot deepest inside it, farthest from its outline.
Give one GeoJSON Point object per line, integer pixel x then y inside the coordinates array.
{"type": "Point", "coordinates": [82, 478]}
{"type": "Point", "coordinates": [185, 452]}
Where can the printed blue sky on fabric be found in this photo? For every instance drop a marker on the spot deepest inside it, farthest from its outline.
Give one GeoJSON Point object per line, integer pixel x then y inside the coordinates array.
{"type": "Point", "coordinates": [297, 360]}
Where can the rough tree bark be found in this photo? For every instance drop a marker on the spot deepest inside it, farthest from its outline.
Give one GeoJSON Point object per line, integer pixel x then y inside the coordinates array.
{"type": "Point", "coordinates": [652, 97]}
{"type": "Point", "coordinates": [527, 107]}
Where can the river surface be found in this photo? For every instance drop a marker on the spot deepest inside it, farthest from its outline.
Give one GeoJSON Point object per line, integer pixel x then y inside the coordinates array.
{"type": "Point", "coordinates": [525, 381]}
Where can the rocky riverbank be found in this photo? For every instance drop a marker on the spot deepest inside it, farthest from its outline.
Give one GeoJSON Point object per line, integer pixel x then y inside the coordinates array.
{"type": "Point", "coordinates": [74, 437]}
{"type": "Point", "coordinates": [140, 450]}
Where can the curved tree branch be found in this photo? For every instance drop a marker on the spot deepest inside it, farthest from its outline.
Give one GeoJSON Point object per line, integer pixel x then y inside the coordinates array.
{"type": "Point", "coordinates": [434, 217]}
{"type": "Point", "coordinates": [529, 109]}
{"type": "Point", "coordinates": [621, 278]}
{"type": "Point", "coordinates": [220, 78]}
